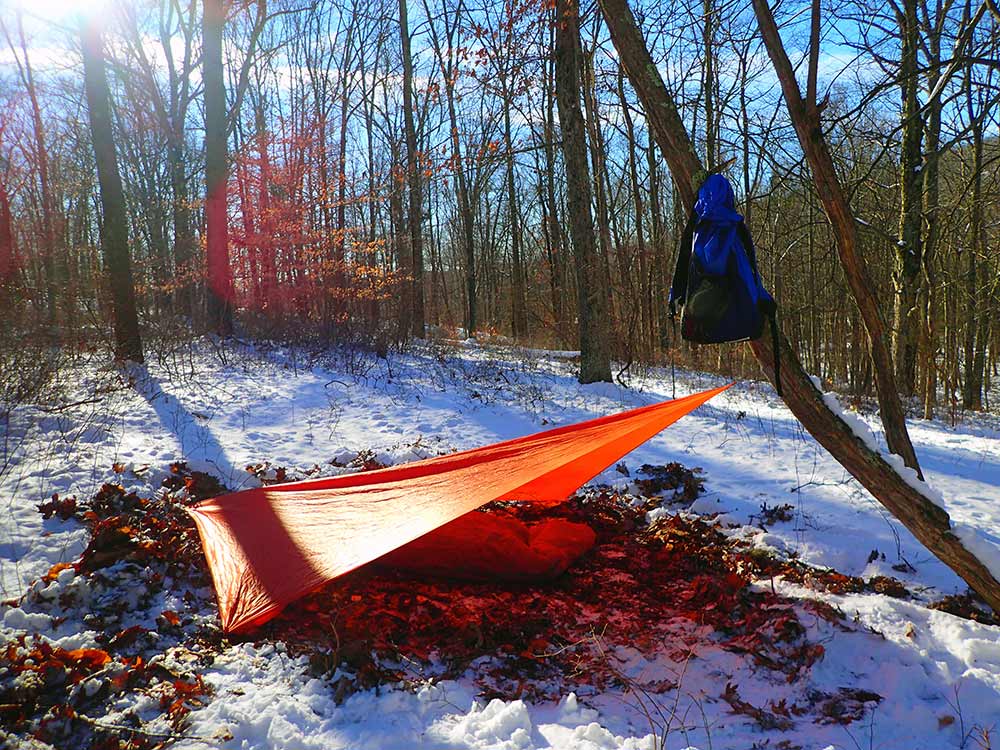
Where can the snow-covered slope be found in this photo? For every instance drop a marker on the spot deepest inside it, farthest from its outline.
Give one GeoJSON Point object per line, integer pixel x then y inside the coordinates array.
{"type": "Point", "coordinates": [939, 675]}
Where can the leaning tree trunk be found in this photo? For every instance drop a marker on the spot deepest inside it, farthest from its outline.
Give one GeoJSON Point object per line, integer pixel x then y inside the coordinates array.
{"type": "Point", "coordinates": [592, 295]}
{"type": "Point", "coordinates": [805, 117]}
{"type": "Point", "coordinates": [929, 523]}
{"type": "Point", "coordinates": [114, 229]}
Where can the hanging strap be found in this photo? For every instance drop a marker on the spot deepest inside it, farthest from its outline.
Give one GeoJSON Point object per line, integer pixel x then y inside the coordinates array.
{"type": "Point", "coordinates": [777, 350]}
{"type": "Point", "coordinates": [673, 354]}
{"type": "Point", "coordinates": [679, 284]}
{"type": "Point", "coordinates": [678, 292]}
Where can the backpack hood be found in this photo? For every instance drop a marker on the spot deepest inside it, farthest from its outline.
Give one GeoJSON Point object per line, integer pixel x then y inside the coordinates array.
{"type": "Point", "coordinates": [716, 201]}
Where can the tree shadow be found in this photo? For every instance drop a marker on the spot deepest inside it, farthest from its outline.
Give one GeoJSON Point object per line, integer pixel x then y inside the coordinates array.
{"type": "Point", "coordinates": [198, 445]}
{"type": "Point", "coordinates": [254, 560]}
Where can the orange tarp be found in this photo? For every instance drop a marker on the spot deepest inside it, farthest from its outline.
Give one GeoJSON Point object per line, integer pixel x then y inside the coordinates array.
{"type": "Point", "coordinates": [267, 547]}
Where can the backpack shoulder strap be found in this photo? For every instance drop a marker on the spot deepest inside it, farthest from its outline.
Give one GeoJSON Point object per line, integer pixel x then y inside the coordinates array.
{"type": "Point", "coordinates": [747, 238]}
{"type": "Point", "coordinates": [679, 285]}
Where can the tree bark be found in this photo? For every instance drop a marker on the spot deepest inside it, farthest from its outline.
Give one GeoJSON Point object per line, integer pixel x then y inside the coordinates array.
{"type": "Point", "coordinates": [906, 275]}
{"type": "Point", "coordinates": [8, 254]}
{"type": "Point", "coordinates": [114, 229]}
{"type": "Point", "coordinates": [926, 521]}
{"type": "Point", "coordinates": [662, 117]}
{"type": "Point", "coordinates": [595, 357]}
{"type": "Point", "coordinates": [220, 280]}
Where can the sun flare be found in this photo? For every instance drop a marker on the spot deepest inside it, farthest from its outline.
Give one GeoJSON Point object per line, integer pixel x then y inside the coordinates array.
{"type": "Point", "coordinates": [57, 11]}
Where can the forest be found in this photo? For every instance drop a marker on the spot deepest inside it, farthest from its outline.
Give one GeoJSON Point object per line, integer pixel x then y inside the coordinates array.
{"type": "Point", "coordinates": [371, 172]}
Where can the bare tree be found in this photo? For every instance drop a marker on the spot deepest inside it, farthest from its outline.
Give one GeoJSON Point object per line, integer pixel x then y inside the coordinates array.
{"type": "Point", "coordinates": [445, 49]}
{"type": "Point", "coordinates": [595, 357]}
{"type": "Point", "coordinates": [220, 281]}
{"type": "Point", "coordinates": [114, 229]}
{"type": "Point", "coordinates": [415, 204]}
{"type": "Point", "coordinates": [50, 257]}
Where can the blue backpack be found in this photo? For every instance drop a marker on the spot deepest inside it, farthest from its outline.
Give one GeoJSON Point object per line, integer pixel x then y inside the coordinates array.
{"type": "Point", "coordinates": [716, 281]}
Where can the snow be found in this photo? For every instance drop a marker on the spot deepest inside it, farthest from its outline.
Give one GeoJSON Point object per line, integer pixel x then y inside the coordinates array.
{"type": "Point", "coordinates": [982, 543]}
{"type": "Point", "coordinates": [282, 712]}
{"type": "Point", "coordinates": [939, 675]}
{"type": "Point", "coordinates": [864, 432]}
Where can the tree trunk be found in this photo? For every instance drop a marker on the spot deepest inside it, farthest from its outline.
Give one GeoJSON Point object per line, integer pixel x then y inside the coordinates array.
{"type": "Point", "coordinates": [184, 240]}
{"type": "Point", "coordinates": [400, 244]}
{"type": "Point", "coordinates": [977, 303]}
{"type": "Point", "coordinates": [415, 207]}
{"type": "Point", "coordinates": [220, 280]}
{"type": "Point", "coordinates": [597, 164]}
{"type": "Point", "coordinates": [926, 521]}
{"type": "Point", "coordinates": [806, 119]}
{"type": "Point", "coordinates": [114, 229]}
{"type": "Point", "coordinates": [340, 263]}
{"type": "Point", "coordinates": [173, 116]}
{"type": "Point", "coordinates": [8, 253]}
{"type": "Point", "coordinates": [908, 248]}
{"type": "Point", "coordinates": [595, 358]}
{"type": "Point", "coordinates": [662, 117]}
{"type": "Point", "coordinates": [556, 231]}
{"type": "Point", "coordinates": [371, 256]}
{"type": "Point", "coordinates": [519, 317]}
{"type": "Point", "coordinates": [268, 246]}
{"type": "Point", "coordinates": [931, 199]}
{"type": "Point", "coordinates": [448, 65]}
{"type": "Point", "coordinates": [708, 89]}
{"type": "Point", "coordinates": [645, 327]}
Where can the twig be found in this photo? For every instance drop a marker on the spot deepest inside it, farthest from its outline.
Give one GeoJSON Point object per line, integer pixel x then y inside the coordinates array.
{"type": "Point", "coordinates": [144, 732]}
{"type": "Point", "coordinates": [64, 407]}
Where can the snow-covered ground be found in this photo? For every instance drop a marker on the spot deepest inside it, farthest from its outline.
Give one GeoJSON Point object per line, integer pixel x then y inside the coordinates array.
{"type": "Point", "coordinates": [938, 674]}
